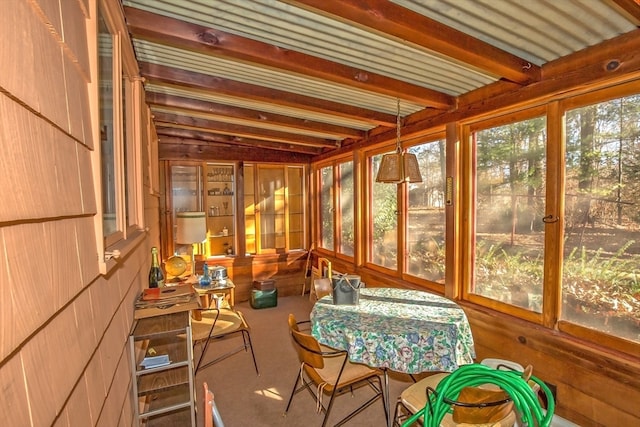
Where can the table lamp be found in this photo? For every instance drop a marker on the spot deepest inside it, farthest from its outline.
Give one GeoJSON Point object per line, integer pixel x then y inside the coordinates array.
{"type": "Point", "coordinates": [191, 230]}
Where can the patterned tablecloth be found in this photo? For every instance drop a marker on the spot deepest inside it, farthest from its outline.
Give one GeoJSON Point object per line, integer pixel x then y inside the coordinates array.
{"type": "Point", "coordinates": [402, 330]}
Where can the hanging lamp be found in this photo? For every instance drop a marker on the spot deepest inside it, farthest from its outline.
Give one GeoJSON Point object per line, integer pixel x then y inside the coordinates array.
{"type": "Point", "coordinates": [399, 166]}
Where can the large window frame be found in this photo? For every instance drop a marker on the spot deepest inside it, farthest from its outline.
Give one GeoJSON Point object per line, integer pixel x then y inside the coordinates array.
{"type": "Point", "coordinates": [401, 269]}
{"type": "Point", "coordinates": [550, 316]}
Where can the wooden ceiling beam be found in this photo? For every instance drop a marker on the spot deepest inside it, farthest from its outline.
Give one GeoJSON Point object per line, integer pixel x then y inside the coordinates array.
{"type": "Point", "coordinates": [187, 136]}
{"type": "Point", "coordinates": [210, 84]}
{"type": "Point", "coordinates": [222, 110]}
{"type": "Point", "coordinates": [631, 8]}
{"type": "Point", "coordinates": [239, 131]}
{"type": "Point", "coordinates": [214, 151]}
{"type": "Point", "coordinates": [185, 35]}
{"type": "Point", "coordinates": [389, 19]}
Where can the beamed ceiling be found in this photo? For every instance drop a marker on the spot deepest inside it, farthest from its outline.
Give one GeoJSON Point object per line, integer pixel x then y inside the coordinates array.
{"type": "Point", "coordinates": [297, 81]}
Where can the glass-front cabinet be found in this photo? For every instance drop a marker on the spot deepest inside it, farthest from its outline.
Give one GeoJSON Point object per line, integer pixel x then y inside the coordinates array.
{"type": "Point", "coordinates": [220, 204]}
{"type": "Point", "coordinates": [274, 208]}
{"type": "Point", "coordinates": [264, 212]}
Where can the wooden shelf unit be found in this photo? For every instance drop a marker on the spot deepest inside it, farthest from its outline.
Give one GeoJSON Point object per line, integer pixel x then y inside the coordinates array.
{"type": "Point", "coordinates": [165, 394]}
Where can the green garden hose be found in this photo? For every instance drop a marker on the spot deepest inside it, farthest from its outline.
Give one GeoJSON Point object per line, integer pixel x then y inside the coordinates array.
{"type": "Point", "coordinates": [525, 400]}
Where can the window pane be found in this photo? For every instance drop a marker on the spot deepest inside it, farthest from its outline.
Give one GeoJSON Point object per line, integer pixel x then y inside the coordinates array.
{"type": "Point", "coordinates": [346, 208]}
{"type": "Point", "coordinates": [326, 208]}
{"type": "Point", "coordinates": [509, 232]}
{"type": "Point", "coordinates": [426, 214]}
{"type": "Point", "coordinates": [249, 209]}
{"type": "Point", "coordinates": [601, 286]}
{"type": "Point", "coordinates": [384, 224]}
{"type": "Point", "coordinates": [107, 144]}
{"type": "Point", "coordinates": [295, 182]}
{"type": "Point", "coordinates": [272, 215]}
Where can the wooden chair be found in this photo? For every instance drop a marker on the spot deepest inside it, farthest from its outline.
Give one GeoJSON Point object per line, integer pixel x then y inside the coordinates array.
{"type": "Point", "coordinates": [220, 323]}
{"type": "Point", "coordinates": [414, 397]}
{"type": "Point", "coordinates": [322, 287]}
{"type": "Point", "coordinates": [329, 371]}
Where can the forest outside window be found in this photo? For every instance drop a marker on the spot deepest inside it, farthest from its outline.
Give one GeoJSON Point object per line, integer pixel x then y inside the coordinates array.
{"type": "Point", "coordinates": [508, 235]}
{"type": "Point", "coordinates": [560, 243]}
{"type": "Point", "coordinates": [601, 261]}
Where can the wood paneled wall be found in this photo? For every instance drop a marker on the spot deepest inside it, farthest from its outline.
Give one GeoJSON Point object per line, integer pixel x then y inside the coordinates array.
{"type": "Point", "coordinates": [63, 327]}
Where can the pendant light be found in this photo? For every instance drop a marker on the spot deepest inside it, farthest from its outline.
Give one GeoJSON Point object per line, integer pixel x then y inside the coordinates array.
{"type": "Point", "coordinates": [399, 166]}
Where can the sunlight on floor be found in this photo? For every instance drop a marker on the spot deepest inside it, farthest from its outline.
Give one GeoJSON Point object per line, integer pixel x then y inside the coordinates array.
{"type": "Point", "coordinates": [270, 393]}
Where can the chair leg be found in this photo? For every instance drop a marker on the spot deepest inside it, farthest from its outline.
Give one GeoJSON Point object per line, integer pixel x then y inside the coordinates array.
{"type": "Point", "coordinates": [255, 364]}
{"type": "Point", "coordinates": [293, 391]}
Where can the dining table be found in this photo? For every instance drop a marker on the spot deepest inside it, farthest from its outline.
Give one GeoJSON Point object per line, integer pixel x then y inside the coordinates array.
{"type": "Point", "coordinates": [403, 330]}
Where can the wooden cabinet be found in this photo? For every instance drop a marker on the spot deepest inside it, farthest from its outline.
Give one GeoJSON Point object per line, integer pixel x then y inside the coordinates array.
{"type": "Point", "coordinates": [274, 208]}
{"type": "Point", "coordinates": [163, 387]}
{"type": "Point", "coordinates": [251, 208]}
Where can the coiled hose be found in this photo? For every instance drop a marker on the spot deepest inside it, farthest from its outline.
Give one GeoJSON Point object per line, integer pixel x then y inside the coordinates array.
{"type": "Point", "coordinates": [525, 400]}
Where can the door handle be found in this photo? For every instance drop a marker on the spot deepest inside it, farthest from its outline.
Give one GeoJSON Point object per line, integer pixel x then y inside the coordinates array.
{"type": "Point", "coordinates": [549, 219]}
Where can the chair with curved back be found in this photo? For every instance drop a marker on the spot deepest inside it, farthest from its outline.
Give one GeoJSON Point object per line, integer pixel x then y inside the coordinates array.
{"type": "Point", "coordinates": [474, 395]}
{"type": "Point", "coordinates": [329, 371]}
{"type": "Point", "coordinates": [220, 323]}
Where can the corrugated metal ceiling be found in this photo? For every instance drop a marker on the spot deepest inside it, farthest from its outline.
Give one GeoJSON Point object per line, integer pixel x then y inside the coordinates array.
{"type": "Point", "coordinates": [529, 30]}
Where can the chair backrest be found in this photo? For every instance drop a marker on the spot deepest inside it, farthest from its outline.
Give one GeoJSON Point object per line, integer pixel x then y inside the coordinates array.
{"type": "Point", "coordinates": [322, 287]}
{"type": "Point", "coordinates": [306, 346]}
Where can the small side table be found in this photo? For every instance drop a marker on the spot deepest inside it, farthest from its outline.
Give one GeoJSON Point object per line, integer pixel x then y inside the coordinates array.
{"type": "Point", "coordinates": [227, 288]}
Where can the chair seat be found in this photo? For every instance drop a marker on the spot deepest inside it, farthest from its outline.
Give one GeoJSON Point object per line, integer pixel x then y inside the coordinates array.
{"type": "Point", "coordinates": [352, 373]}
{"type": "Point", "coordinates": [228, 321]}
{"type": "Point", "coordinates": [414, 398]}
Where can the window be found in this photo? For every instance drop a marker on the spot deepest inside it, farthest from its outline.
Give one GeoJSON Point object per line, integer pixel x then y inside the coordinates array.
{"type": "Point", "coordinates": [601, 261]}
{"type": "Point", "coordinates": [337, 227]}
{"type": "Point", "coordinates": [426, 214]}
{"type": "Point", "coordinates": [346, 217]}
{"type": "Point", "coordinates": [407, 221]}
{"type": "Point", "coordinates": [118, 139]}
{"type": "Point", "coordinates": [510, 164]}
{"type": "Point", "coordinates": [383, 224]}
{"type": "Point", "coordinates": [570, 234]}
{"type": "Point", "coordinates": [327, 209]}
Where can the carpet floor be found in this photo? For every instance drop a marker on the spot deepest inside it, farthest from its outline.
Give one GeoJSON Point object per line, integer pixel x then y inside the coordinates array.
{"type": "Point", "coordinates": [245, 399]}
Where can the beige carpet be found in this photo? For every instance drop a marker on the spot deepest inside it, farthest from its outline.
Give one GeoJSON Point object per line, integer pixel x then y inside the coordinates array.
{"type": "Point", "coordinates": [245, 399]}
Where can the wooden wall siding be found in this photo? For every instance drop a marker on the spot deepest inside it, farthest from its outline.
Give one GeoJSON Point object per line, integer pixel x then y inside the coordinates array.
{"type": "Point", "coordinates": [63, 327]}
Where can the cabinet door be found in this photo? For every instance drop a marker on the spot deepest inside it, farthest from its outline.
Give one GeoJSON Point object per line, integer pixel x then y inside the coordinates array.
{"type": "Point", "coordinates": [186, 191]}
{"type": "Point", "coordinates": [274, 208]}
{"type": "Point", "coordinates": [220, 204]}
{"type": "Point", "coordinates": [295, 207]}
{"type": "Point", "coordinates": [271, 184]}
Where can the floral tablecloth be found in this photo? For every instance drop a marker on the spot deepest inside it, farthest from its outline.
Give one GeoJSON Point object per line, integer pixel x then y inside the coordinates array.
{"type": "Point", "coordinates": [399, 329]}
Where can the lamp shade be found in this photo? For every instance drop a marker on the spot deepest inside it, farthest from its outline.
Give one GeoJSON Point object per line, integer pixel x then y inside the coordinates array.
{"type": "Point", "coordinates": [399, 167]}
{"type": "Point", "coordinates": [191, 227]}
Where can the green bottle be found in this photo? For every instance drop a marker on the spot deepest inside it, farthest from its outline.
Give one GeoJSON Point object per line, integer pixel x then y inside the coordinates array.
{"type": "Point", "coordinates": [156, 277]}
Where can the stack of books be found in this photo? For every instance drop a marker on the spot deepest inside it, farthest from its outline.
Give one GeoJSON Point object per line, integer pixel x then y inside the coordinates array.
{"type": "Point", "coordinates": [166, 300]}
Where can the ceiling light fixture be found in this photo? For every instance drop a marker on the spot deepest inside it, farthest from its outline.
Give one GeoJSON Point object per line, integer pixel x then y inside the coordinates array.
{"type": "Point", "coordinates": [399, 166]}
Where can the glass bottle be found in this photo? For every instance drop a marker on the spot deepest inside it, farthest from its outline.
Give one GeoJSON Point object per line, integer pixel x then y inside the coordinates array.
{"type": "Point", "coordinates": [205, 280]}
{"type": "Point", "coordinates": [156, 276]}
